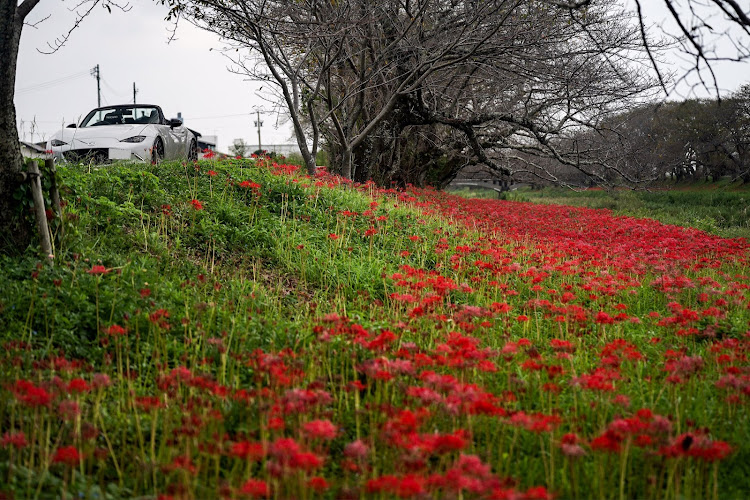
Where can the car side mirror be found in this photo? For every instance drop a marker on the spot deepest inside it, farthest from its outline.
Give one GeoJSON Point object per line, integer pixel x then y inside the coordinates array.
{"type": "Point", "coordinates": [72, 125]}
{"type": "Point", "coordinates": [175, 122]}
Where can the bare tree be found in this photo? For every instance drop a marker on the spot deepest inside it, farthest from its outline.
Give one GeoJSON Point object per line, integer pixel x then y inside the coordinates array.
{"type": "Point", "coordinates": [239, 148]}
{"type": "Point", "coordinates": [471, 79]}
{"type": "Point", "coordinates": [279, 42]}
{"type": "Point", "coordinates": [707, 32]}
{"type": "Point", "coordinates": [517, 77]}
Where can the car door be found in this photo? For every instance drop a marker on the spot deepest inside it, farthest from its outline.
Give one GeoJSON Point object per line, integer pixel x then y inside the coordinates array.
{"type": "Point", "coordinates": [169, 140]}
{"type": "Point", "coordinates": [179, 137]}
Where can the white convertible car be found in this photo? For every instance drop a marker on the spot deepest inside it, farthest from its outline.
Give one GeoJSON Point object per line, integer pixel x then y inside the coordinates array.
{"type": "Point", "coordinates": [125, 132]}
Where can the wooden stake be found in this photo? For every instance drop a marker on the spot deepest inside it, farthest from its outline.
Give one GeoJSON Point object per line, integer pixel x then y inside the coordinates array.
{"type": "Point", "coordinates": [54, 192]}
{"type": "Point", "coordinates": [39, 210]}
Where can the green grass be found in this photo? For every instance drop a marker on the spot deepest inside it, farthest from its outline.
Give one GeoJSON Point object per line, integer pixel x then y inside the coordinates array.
{"type": "Point", "coordinates": [198, 308]}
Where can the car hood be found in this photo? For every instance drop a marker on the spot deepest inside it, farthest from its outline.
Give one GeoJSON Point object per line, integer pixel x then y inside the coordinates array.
{"type": "Point", "coordinates": [91, 134]}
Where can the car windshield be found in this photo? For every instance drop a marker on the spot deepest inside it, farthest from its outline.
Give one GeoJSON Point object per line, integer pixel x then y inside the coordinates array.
{"type": "Point", "coordinates": [119, 115]}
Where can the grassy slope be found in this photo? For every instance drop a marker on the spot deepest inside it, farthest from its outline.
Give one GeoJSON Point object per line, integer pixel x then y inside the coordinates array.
{"type": "Point", "coordinates": [264, 268]}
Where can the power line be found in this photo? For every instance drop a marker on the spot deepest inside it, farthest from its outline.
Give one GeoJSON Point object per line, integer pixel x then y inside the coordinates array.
{"type": "Point", "coordinates": [116, 93]}
{"type": "Point", "coordinates": [51, 83]}
{"type": "Point", "coordinates": [219, 116]}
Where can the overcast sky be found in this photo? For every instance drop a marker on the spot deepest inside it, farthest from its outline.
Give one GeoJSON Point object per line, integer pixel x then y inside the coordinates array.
{"type": "Point", "coordinates": [183, 76]}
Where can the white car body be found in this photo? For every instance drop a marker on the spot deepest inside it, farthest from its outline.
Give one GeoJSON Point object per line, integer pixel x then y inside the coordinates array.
{"type": "Point", "coordinates": [124, 132]}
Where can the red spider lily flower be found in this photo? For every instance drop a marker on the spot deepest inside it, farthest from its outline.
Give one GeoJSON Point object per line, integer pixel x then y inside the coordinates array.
{"type": "Point", "coordinates": [697, 446]}
{"type": "Point", "coordinates": [78, 386]}
{"type": "Point", "coordinates": [537, 493]}
{"type": "Point", "coordinates": [446, 443]}
{"type": "Point", "coordinates": [306, 461]}
{"type": "Point", "coordinates": [622, 400]}
{"type": "Point", "coordinates": [320, 429]}
{"type": "Point", "coordinates": [183, 462]}
{"type": "Point", "coordinates": [211, 173]}
{"type": "Point", "coordinates": [333, 236]}
{"type": "Point", "coordinates": [166, 210]}
{"type": "Point", "coordinates": [67, 455]}
{"type": "Point", "coordinates": [283, 449]}
{"type": "Point", "coordinates": [536, 422]}
{"type": "Point", "coordinates": [98, 270]}
{"type": "Point", "coordinates": [276, 423]}
{"type": "Point", "coordinates": [115, 330]}
{"type": "Point", "coordinates": [148, 403]}
{"type": "Point", "coordinates": [403, 487]}
{"type": "Point", "coordinates": [208, 153]}
{"type": "Point", "coordinates": [68, 410]}
{"type": "Point", "coordinates": [317, 484]}
{"type": "Point", "coordinates": [155, 316]}
{"type": "Point", "coordinates": [562, 345]}
{"type": "Point", "coordinates": [247, 450]}
{"type": "Point", "coordinates": [410, 486]}
{"type": "Point", "coordinates": [14, 439]}
{"type": "Point", "coordinates": [31, 395]}
{"type": "Point", "coordinates": [249, 185]}
{"type": "Point", "coordinates": [604, 319]}
{"type": "Point", "coordinates": [196, 204]}
{"type": "Point", "coordinates": [382, 341]}
{"type": "Point", "coordinates": [487, 366]}
{"type": "Point", "coordinates": [609, 442]}
{"type": "Point", "coordinates": [255, 488]}
{"type": "Point", "coordinates": [500, 308]}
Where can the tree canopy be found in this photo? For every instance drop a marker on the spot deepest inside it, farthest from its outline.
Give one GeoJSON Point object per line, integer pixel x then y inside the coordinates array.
{"type": "Point", "coordinates": [412, 92]}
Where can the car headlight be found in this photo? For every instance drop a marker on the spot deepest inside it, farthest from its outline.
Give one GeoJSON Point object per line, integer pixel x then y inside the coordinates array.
{"type": "Point", "coordinates": [57, 142]}
{"type": "Point", "coordinates": [135, 138]}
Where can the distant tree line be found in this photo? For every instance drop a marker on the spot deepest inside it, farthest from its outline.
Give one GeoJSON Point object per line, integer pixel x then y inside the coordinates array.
{"type": "Point", "coordinates": [697, 139]}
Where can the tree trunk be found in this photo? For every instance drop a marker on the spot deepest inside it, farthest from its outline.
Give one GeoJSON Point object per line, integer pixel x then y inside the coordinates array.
{"type": "Point", "coordinates": [15, 236]}
{"type": "Point", "coordinates": [346, 162]}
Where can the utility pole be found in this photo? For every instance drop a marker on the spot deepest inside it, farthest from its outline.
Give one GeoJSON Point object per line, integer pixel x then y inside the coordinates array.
{"type": "Point", "coordinates": [259, 124]}
{"type": "Point", "coordinates": [95, 74]}
{"type": "Point", "coordinates": [135, 91]}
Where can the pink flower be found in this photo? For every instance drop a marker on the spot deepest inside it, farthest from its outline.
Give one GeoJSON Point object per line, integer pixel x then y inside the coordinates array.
{"type": "Point", "coordinates": [356, 449]}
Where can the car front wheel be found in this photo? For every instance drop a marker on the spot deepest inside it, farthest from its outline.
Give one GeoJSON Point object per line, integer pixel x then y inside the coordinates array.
{"type": "Point", "coordinates": [157, 152]}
